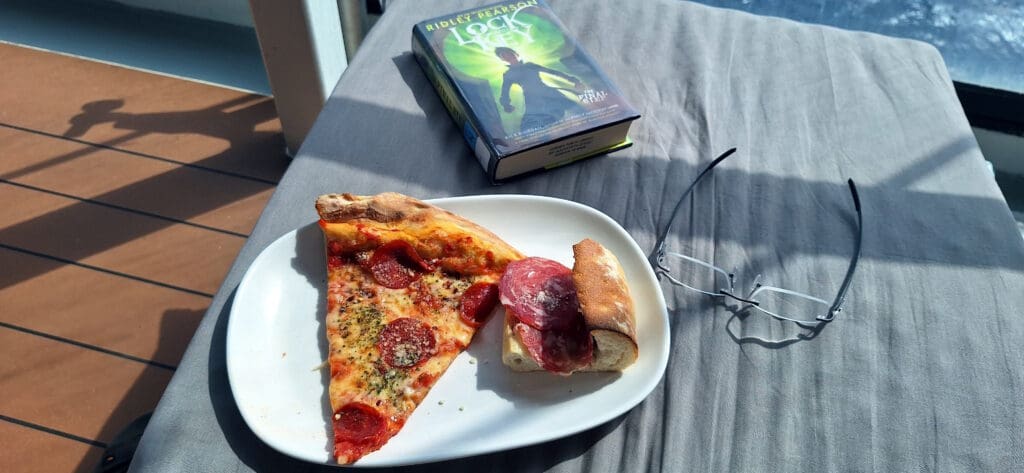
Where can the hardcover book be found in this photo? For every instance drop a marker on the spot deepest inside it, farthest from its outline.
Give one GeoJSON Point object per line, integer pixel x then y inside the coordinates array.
{"type": "Point", "coordinates": [524, 93]}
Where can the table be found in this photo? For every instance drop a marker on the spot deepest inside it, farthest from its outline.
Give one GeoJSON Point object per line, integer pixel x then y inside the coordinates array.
{"type": "Point", "coordinates": [922, 370]}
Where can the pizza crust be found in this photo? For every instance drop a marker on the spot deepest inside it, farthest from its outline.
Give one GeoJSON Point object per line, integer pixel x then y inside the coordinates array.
{"type": "Point", "coordinates": [367, 221]}
{"type": "Point", "coordinates": [607, 309]}
{"type": "Point", "coordinates": [385, 208]}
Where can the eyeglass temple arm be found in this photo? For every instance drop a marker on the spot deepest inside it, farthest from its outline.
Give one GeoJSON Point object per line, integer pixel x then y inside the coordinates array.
{"type": "Point", "coordinates": [664, 234]}
{"type": "Point", "coordinates": [837, 305]}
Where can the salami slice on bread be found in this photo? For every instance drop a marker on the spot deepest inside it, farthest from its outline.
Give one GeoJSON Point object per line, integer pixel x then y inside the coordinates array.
{"type": "Point", "coordinates": [603, 336]}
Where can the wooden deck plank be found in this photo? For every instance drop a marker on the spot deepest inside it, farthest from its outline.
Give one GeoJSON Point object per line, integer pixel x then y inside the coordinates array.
{"type": "Point", "coordinates": [146, 321]}
{"type": "Point", "coordinates": [142, 112]}
{"type": "Point", "coordinates": [176, 254]}
{"type": "Point", "coordinates": [27, 450]}
{"type": "Point", "coordinates": [126, 197]}
{"type": "Point", "coordinates": [121, 179]}
{"type": "Point", "coordinates": [72, 389]}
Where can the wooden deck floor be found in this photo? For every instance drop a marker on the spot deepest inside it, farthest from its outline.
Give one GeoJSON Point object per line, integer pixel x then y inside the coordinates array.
{"type": "Point", "coordinates": [125, 198]}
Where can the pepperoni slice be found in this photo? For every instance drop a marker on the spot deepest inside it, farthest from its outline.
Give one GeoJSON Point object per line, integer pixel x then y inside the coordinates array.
{"type": "Point", "coordinates": [358, 429]}
{"type": "Point", "coordinates": [396, 265]}
{"type": "Point", "coordinates": [540, 293]}
{"type": "Point", "coordinates": [406, 342]}
{"type": "Point", "coordinates": [477, 303]}
{"type": "Point", "coordinates": [560, 351]}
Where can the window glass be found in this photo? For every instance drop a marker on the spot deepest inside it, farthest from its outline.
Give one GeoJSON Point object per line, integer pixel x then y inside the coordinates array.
{"type": "Point", "coordinates": [982, 41]}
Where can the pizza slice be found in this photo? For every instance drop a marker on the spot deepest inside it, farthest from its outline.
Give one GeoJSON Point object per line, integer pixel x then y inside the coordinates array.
{"type": "Point", "coordinates": [407, 286]}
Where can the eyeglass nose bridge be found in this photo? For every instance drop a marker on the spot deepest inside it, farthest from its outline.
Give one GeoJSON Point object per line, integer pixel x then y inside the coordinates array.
{"type": "Point", "coordinates": [738, 298]}
{"type": "Point", "coordinates": [730, 292]}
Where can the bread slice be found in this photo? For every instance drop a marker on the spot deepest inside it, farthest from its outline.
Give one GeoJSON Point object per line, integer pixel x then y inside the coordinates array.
{"type": "Point", "coordinates": [607, 309]}
{"type": "Point", "coordinates": [513, 353]}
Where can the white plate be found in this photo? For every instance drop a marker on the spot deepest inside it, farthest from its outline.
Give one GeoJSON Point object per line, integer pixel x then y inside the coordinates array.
{"type": "Point", "coordinates": [275, 342]}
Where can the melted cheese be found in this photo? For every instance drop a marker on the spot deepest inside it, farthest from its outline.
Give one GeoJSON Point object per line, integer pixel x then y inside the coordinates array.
{"type": "Point", "coordinates": [358, 309]}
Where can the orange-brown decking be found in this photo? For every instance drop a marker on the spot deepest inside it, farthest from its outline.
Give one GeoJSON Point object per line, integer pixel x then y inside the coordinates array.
{"type": "Point", "coordinates": [124, 198]}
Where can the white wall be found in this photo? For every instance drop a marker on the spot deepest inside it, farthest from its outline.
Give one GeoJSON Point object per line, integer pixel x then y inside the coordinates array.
{"type": "Point", "coordinates": [304, 53]}
{"type": "Point", "coordinates": [235, 12]}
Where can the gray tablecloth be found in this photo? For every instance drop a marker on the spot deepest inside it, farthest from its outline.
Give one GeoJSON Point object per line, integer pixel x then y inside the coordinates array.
{"type": "Point", "coordinates": [922, 371]}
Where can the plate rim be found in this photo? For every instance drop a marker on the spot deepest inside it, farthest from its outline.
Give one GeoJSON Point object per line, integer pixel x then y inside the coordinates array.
{"type": "Point", "coordinates": [610, 414]}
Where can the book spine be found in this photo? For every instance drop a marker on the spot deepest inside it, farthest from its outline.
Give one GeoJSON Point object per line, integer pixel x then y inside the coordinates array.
{"type": "Point", "coordinates": [453, 101]}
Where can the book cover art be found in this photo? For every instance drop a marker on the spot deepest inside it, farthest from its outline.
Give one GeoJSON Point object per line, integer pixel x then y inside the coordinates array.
{"type": "Point", "coordinates": [512, 76]}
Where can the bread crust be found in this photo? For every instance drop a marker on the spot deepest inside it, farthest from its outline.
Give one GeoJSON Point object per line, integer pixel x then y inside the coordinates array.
{"type": "Point", "coordinates": [602, 289]}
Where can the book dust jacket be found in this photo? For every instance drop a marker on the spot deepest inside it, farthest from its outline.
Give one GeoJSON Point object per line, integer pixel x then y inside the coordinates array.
{"type": "Point", "coordinates": [523, 92]}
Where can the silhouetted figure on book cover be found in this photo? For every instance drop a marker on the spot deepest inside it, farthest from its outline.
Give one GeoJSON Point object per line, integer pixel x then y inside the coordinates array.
{"type": "Point", "coordinates": [544, 104]}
